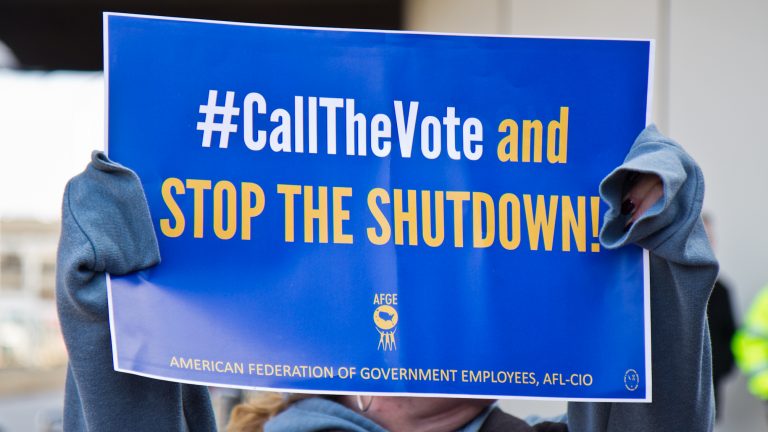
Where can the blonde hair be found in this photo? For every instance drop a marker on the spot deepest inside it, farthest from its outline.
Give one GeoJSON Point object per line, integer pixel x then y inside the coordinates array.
{"type": "Point", "coordinates": [251, 416]}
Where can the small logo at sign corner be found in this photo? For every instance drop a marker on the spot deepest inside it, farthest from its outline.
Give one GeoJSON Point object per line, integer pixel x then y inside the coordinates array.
{"type": "Point", "coordinates": [385, 320]}
{"type": "Point", "coordinates": [631, 380]}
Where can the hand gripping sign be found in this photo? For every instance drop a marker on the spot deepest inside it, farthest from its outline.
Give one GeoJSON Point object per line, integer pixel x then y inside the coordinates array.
{"type": "Point", "coordinates": [378, 212]}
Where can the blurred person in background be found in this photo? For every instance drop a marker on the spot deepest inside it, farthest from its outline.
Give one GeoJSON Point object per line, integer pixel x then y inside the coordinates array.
{"type": "Point", "coordinates": [722, 326]}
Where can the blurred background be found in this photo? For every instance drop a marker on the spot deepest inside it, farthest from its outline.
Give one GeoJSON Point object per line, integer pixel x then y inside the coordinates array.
{"type": "Point", "coordinates": [710, 94]}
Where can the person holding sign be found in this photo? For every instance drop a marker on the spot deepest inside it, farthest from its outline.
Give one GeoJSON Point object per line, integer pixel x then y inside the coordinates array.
{"type": "Point", "coordinates": [655, 200]}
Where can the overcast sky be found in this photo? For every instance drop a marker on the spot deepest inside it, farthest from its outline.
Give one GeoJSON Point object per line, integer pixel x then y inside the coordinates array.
{"type": "Point", "coordinates": [49, 123]}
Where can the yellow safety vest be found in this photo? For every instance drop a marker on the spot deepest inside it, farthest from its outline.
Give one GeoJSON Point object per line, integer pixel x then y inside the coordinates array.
{"type": "Point", "coordinates": [750, 346]}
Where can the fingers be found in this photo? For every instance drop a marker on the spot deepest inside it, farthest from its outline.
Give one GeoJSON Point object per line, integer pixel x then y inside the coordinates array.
{"type": "Point", "coordinates": [650, 198]}
{"type": "Point", "coordinates": [645, 191]}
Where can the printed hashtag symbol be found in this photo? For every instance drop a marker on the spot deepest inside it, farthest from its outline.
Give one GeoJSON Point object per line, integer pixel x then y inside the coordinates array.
{"type": "Point", "coordinates": [225, 126]}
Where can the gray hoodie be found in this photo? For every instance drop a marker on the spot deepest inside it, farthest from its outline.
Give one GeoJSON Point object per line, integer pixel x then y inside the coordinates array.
{"type": "Point", "coordinates": [106, 227]}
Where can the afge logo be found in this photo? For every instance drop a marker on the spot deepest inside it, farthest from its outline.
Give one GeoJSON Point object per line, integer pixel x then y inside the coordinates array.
{"type": "Point", "coordinates": [631, 380]}
{"type": "Point", "coordinates": [385, 319]}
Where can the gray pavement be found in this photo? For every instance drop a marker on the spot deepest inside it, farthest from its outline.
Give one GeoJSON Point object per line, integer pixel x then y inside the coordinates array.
{"type": "Point", "coordinates": [31, 413]}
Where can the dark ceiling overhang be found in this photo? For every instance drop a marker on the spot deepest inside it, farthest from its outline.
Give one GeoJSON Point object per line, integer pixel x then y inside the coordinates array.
{"type": "Point", "coordinates": [66, 34]}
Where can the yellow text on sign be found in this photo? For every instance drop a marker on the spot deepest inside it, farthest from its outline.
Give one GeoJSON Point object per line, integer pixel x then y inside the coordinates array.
{"type": "Point", "coordinates": [428, 216]}
{"type": "Point", "coordinates": [315, 205]}
{"type": "Point", "coordinates": [223, 195]}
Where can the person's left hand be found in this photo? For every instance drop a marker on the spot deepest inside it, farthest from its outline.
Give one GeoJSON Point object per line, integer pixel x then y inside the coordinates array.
{"type": "Point", "coordinates": [645, 190]}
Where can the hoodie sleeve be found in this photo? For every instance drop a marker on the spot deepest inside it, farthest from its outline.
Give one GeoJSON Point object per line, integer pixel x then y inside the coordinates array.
{"type": "Point", "coordinates": [106, 228]}
{"type": "Point", "coordinates": [682, 272]}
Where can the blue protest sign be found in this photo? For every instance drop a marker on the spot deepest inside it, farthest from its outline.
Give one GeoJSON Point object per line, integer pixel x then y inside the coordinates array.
{"type": "Point", "coordinates": [378, 212]}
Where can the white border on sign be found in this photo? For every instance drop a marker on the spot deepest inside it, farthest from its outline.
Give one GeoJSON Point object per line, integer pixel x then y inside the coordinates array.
{"type": "Point", "coordinates": [646, 261]}
{"type": "Point", "coordinates": [112, 332]}
{"type": "Point", "coordinates": [105, 38]}
{"type": "Point", "coordinates": [646, 254]}
{"type": "Point", "coordinates": [336, 29]}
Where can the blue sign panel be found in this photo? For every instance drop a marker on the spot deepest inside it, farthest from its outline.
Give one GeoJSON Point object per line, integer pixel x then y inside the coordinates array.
{"type": "Point", "coordinates": [378, 212]}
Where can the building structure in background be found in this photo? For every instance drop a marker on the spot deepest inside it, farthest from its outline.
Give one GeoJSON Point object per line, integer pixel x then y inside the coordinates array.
{"type": "Point", "coordinates": [28, 258]}
{"type": "Point", "coordinates": [29, 328]}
